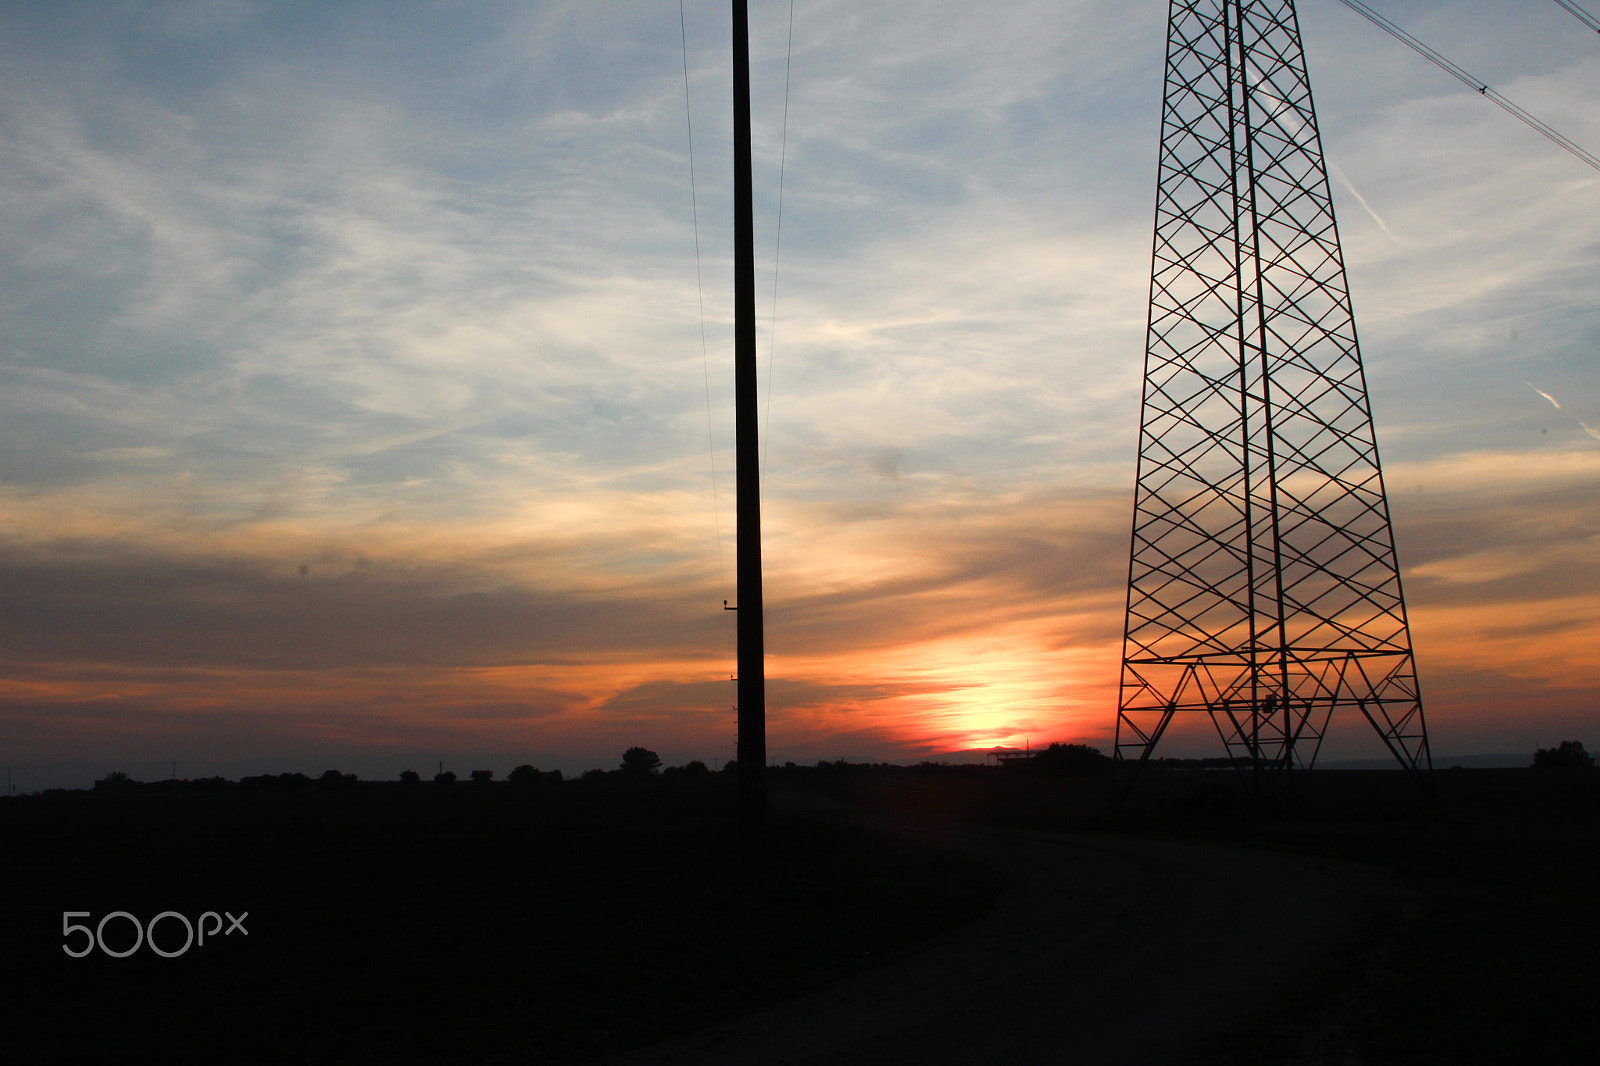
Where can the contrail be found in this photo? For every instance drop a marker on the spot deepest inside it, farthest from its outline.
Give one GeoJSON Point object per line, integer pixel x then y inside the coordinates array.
{"type": "Point", "coordinates": [1595, 433]}
{"type": "Point", "coordinates": [1337, 169]}
{"type": "Point", "coordinates": [1549, 397]}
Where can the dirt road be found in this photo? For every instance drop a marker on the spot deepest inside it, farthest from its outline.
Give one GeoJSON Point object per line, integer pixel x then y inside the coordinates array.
{"type": "Point", "coordinates": [1101, 950]}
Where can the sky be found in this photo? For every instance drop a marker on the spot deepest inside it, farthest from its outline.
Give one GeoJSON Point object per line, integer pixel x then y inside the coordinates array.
{"type": "Point", "coordinates": [366, 404]}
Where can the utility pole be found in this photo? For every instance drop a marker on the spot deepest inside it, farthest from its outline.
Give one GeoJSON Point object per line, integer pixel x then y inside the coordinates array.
{"type": "Point", "coordinates": [752, 676]}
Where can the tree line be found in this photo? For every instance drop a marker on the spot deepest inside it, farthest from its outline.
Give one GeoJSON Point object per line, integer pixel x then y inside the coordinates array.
{"type": "Point", "coordinates": [640, 763]}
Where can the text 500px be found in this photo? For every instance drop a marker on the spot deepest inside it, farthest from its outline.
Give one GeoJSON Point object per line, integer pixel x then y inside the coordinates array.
{"type": "Point", "coordinates": [146, 933]}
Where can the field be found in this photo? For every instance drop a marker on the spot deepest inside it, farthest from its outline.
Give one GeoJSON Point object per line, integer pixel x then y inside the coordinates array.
{"type": "Point", "coordinates": [574, 922]}
{"type": "Point", "coordinates": [1493, 956]}
{"type": "Point", "coordinates": [432, 925]}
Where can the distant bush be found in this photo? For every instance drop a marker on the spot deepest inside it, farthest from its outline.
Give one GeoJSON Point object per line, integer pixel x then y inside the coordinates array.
{"type": "Point", "coordinates": [444, 778]}
{"type": "Point", "coordinates": [1567, 753]}
{"type": "Point", "coordinates": [525, 776]}
{"type": "Point", "coordinates": [410, 777]}
{"type": "Point", "coordinates": [334, 779]}
{"type": "Point", "coordinates": [482, 777]}
{"type": "Point", "coordinates": [215, 783]}
{"type": "Point", "coordinates": [115, 781]}
{"type": "Point", "coordinates": [695, 770]}
{"type": "Point", "coordinates": [1069, 760]}
{"type": "Point", "coordinates": [529, 776]}
{"type": "Point", "coordinates": [276, 781]}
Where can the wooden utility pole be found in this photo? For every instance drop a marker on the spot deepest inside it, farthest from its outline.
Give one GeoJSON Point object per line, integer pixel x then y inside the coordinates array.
{"type": "Point", "coordinates": [752, 673]}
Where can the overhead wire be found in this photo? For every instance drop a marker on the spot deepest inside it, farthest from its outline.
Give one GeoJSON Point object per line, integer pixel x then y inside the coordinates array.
{"type": "Point", "coordinates": [1580, 14]}
{"type": "Point", "coordinates": [705, 355]}
{"type": "Point", "coordinates": [777, 248]}
{"type": "Point", "coordinates": [1477, 84]}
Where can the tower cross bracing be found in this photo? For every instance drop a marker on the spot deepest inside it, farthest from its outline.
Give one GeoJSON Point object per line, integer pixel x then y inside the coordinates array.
{"type": "Point", "coordinates": [1263, 589]}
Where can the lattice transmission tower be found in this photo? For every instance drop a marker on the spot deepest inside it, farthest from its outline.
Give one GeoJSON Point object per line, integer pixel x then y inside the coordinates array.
{"type": "Point", "coordinates": [1263, 589]}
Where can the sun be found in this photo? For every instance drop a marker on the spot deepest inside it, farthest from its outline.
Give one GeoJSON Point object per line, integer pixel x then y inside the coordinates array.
{"type": "Point", "coordinates": [1009, 686]}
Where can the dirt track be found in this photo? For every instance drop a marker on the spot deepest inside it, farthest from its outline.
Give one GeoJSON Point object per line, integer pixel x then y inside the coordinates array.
{"type": "Point", "coordinates": [1100, 950]}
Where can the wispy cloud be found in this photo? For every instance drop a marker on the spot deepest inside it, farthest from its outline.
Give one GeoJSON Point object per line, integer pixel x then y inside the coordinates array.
{"type": "Point", "coordinates": [422, 318]}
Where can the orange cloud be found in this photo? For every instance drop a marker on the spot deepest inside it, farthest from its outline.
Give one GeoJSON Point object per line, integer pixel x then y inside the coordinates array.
{"type": "Point", "coordinates": [937, 621]}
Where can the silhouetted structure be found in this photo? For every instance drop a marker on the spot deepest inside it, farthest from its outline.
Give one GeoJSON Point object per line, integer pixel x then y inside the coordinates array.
{"type": "Point", "coordinates": [752, 656]}
{"type": "Point", "coordinates": [1263, 589]}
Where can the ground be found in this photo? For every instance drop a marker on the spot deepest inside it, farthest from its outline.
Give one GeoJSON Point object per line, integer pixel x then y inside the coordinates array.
{"type": "Point", "coordinates": [910, 915]}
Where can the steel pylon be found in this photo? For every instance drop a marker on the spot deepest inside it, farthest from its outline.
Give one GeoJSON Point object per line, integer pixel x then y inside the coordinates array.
{"type": "Point", "coordinates": [1263, 589]}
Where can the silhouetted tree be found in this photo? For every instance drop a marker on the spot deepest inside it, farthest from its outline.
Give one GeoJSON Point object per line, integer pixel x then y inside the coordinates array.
{"type": "Point", "coordinates": [1567, 753]}
{"type": "Point", "coordinates": [482, 777]}
{"type": "Point", "coordinates": [444, 778]}
{"type": "Point", "coordinates": [593, 776]}
{"type": "Point", "coordinates": [114, 781]}
{"type": "Point", "coordinates": [334, 779]}
{"type": "Point", "coordinates": [410, 777]}
{"type": "Point", "coordinates": [640, 762]}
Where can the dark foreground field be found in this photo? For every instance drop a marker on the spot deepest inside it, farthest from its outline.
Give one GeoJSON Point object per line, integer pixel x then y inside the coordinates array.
{"type": "Point", "coordinates": [1487, 949]}
{"type": "Point", "coordinates": [579, 921]}
{"type": "Point", "coordinates": [388, 924]}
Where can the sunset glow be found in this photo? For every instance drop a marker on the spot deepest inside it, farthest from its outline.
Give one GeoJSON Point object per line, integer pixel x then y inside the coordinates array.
{"type": "Point", "coordinates": [357, 410]}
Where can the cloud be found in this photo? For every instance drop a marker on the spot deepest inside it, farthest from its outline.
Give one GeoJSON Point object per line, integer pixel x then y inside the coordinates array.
{"type": "Point", "coordinates": [100, 603]}
{"type": "Point", "coordinates": [417, 309]}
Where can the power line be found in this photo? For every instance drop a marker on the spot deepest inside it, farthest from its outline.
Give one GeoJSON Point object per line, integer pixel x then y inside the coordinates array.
{"type": "Point", "coordinates": [783, 159]}
{"type": "Point", "coordinates": [705, 356]}
{"type": "Point", "coordinates": [1477, 84]}
{"type": "Point", "coordinates": [1581, 15]}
